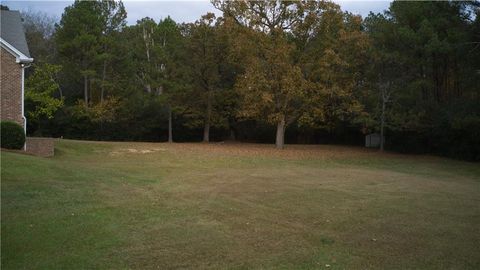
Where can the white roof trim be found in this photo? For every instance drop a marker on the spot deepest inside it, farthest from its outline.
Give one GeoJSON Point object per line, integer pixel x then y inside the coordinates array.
{"type": "Point", "coordinates": [20, 57]}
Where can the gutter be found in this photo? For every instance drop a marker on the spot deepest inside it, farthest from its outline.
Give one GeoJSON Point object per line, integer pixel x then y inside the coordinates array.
{"type": "Point", "coordinates": [20, 57]}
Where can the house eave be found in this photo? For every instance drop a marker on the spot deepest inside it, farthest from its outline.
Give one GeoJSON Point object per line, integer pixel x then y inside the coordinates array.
{"type": "Point", "coordinates": [19, 56]}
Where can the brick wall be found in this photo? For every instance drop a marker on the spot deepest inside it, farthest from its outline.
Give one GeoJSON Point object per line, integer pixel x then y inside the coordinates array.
{"type": "Point", "coordinates": [10, 88]}
{"type": "Point", "coordinates": [43, 147]}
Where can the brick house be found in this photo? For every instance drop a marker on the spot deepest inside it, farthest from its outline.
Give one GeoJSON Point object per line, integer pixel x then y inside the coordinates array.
{"type": "Point", "coordinates": [14, 58]}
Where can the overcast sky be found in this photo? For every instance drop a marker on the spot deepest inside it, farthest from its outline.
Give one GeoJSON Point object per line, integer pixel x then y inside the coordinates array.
{"type": "Point", "coordinates": [180, 11]}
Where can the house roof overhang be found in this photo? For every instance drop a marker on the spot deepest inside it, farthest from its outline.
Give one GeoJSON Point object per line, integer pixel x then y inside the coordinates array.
{"type": "Point", "coordinates": [19, 56]}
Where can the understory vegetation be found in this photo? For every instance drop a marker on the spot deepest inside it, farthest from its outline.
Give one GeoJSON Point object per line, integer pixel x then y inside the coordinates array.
{"type": "Point", "coordinates": [101, 205]}
{"type": "Point", "coordinates": [263, 71]}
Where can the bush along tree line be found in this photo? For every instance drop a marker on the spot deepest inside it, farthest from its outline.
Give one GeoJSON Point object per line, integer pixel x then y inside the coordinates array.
{"type": "Point", "coordinates": [264, 71]}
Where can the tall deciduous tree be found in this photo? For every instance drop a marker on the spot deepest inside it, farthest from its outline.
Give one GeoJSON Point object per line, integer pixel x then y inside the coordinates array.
{"type": "Point", "coordinates": [272, 86]}
{"type": "Point", "coordinates": [158, 63]}
{"type": "Point", "coordinates": [141, 41]}
{"type": "Point", "coordinates": [333, 57]}
{"type": "Point", "coordinates": [39, 29]}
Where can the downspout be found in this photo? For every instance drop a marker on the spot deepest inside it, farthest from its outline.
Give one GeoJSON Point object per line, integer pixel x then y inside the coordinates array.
{"type": "Point", "coordinates": [24, 66]}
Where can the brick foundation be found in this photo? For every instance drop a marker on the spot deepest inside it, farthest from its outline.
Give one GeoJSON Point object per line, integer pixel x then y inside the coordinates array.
{"type": "Point", "coordinates": [43, 147]}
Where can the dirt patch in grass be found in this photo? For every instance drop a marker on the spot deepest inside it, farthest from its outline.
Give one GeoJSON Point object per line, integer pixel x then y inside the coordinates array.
{"type": "Point", "coordinates": [123, 151]}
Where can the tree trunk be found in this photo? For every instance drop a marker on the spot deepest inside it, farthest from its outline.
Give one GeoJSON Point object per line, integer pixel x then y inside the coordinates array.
{"type": "Point", "coordinates": [206, 133]}
{"type": "Point", "coordinates": [279, 141]}
{"type": "Point", "coordinates": [382, 124]}
{"type": "Point", "coordinates": [54, 80]}
{"type": "Point", "coordinates": [232, 134]}
{"type": "Point", "coordinates": [104, 75]}
{"type": "Point", "coordinates": [90, 93]}
{"type": "Point", "coordinates": [85, 89]}
{"type": "Point", "coordinates": [206, 130]}
{"type": "Point", "coordinates": [170, 133]}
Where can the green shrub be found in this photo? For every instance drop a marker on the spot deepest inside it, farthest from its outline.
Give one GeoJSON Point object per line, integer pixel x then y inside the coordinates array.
{"type": "Point", "coordinates": [13, 136]}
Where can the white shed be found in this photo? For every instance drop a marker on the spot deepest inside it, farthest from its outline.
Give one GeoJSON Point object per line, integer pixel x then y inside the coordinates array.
{"type": "Point", "coordinates": [372, 140]}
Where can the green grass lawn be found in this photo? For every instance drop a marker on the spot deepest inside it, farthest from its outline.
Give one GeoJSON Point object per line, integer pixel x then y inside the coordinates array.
{"type": "Point", "coordinates": [237, 206]}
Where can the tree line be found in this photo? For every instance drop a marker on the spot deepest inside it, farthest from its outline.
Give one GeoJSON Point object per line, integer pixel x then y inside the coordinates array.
{"type": "Point", "coordinates": [264, 71]}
